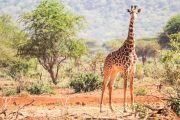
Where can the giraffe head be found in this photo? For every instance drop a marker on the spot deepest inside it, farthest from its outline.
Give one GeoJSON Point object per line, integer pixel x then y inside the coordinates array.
{"type": "Point", "coordinates": [134, 11]}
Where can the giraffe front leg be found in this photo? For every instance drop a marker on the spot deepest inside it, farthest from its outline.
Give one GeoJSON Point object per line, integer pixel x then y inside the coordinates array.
{"type": "Point", "coordinates": [126, 73]}
{"type": "Point", "coordinates": [132, 73]}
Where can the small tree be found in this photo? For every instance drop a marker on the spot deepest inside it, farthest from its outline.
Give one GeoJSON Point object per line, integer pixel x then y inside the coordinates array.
{"type": "Point", "coordinates": [96, 62]}
{"type": "Point", "coordinates": [10, 37]}
{"type": "Point", "coordinates": [171, 59]}
{"type": "Point", "coordinates": [172, 27]}
{"type": "Point", "coordinates": [10, 64]}
{"type": "Point", "coordinates": [52, 31]}
{"type": "Point", "coordinates": [148, 50]}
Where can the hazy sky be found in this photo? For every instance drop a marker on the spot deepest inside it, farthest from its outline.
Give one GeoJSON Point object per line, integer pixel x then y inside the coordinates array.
{"type": "Point", "coordinates": [108, 19]}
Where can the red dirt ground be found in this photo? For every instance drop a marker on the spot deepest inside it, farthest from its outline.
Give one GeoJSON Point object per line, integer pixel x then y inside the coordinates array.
{"type": "Point", "coordinates": [80, 103]}
{"type": "Point", "coordinates": [91, 98]}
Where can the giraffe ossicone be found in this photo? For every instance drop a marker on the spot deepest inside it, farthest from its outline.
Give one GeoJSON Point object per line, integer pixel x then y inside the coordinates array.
{"type": "Point", "coordinates": [123, 61]}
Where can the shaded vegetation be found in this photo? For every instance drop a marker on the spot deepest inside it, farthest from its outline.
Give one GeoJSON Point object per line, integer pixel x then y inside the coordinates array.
{"type": "Point", "coordinates": [172, 27]}
{"type": "Point", "coordinates": [86, 83]}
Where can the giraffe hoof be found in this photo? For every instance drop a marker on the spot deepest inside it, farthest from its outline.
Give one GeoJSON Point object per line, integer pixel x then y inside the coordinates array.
{"type": "Point", "coordinates": [101, 111]}
{"type": "Point", "coordinates": [125, 111]}
{"type": "Point", "coordinates": [112, 110]}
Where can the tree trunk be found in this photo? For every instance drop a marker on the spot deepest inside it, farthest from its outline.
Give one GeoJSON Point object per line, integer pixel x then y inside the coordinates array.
{"type": "Point", "coordinates": [53, 76]}
{"type": "Point", "coordinates": [155, 61]}
{"type": "Point", "coordinates": [144, 59]}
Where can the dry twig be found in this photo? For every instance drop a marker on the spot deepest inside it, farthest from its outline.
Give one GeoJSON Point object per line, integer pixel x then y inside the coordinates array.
{"type": "Point", "coordinates": [17, 112]}
{"type": "Point", "coordinates": [4, 106]}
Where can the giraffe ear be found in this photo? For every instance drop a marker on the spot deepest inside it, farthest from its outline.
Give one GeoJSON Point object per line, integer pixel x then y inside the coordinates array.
{"type": "Point", "coordinates": [139, 10]}
{"type": "Point", "coordinates": [128, 11]}
{"type": "Point", "coordinates": [132, 7]}
{"type": "Point", "coordinates": [135, 6]}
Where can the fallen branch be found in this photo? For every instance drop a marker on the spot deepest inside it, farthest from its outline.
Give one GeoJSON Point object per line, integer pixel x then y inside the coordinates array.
{"type": "Point", "coordinates": [153, 109]}
{"type": "Point", "coordinates": [131, 114]}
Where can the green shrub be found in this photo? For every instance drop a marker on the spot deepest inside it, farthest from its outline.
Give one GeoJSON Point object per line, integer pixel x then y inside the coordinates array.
{"type": "Point", "coordinates": [39, 88]}
{"type": "Point", "coordinates": [63, 83]}
{"type": "Point", "coordinates": [119, 82]}
{"type": "Point", "coordinates": [140, 91]}
{"type": "Point", "coordinates": [141, 110]}
{"type": "Point", "coordinates": [7, 91]}
{"type": "Point", "coordinates": [86, 83]}
{"type": "Point", "coordinates": [172, 77]}
{"type": "Point", "coordinates": [175, 105]}
{"type": "Point", "coordinates": [139, 71]}
{"type": "Point", "coordinates": [154, 71]}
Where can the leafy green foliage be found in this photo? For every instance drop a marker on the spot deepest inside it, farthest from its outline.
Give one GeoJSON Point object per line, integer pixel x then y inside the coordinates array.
{"type": "Point", "coordinates": [96, 62]}
{"type": "Point", "coordinates": [141, 109]}
{"type": "Point", "coordinates": [52, 31]}
{"type": "Point", "coordinates": [175, 105]}
{"type": "Point", "coordinates": [139, 71]}
{"type": "Point", "coordinates": [172, 27]}
{"type": "Point", "coordinates": [39, 88]}
{"type": "Point", "coordinates": [119, 82]}
{"type": "Point", "coordinates": [11, 37]}
{"type": "Point", "coordinates": [171, 59]}
{"type": "Point", "coordinates": [77, 48]}
{"type": "Point", "coordinates": [13, 68]}
{"type": "Point", "coordinates": [148, 49]}
{"type": "Point", "coordinates": [86, 83]}
{"type": "Point", "coordinates": [140, 91]}
{"type": "Point", "coordinates": [8, 91]}
{"type": "Point", "coordinates": [153, 71]}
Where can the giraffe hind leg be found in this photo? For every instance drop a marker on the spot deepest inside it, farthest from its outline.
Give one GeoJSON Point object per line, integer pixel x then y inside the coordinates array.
{"type": "Point", "coordinates": [110, 87]}
{"type": "Point", "coordinates": [107, 74]}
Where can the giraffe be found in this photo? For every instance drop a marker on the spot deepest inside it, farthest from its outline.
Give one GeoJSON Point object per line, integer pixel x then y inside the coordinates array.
{"type": "Point", "coordinates": [123, 61]}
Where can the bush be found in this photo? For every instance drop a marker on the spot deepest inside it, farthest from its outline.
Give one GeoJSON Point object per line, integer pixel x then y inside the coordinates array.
{"type": "Point", "coordinates": [153, 71]}
{"type": "Point", "coordinates": [171, 78]}
{"type": "Point", "coordinates": [8, 91]}
{"type": "Point", "coordinates": [23, 94]}
{"type": "Point", "coordinates": [140, 91]}
{"type": "Point", "coordinates": [39, 88]}
{"type": "Point", "coordinates": [139, 71]}
{"type": "Point", "coordinates": [141, 109]}
{"type": "Point", "coordinates": [119, 82]}
{"type": "Point", "coordinates": [63, 83]}
{"type": "Point", "coordinates": [86, 83]}
{"type": "Point", "coordinates": [175, 105]}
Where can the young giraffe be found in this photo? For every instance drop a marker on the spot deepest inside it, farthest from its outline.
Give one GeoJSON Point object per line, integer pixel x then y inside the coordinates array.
{"type": "Point", "coordinates": [123, 60]}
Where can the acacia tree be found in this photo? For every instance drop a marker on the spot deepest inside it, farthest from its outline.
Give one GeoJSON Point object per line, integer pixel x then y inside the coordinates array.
{"type": "Point", "coordinates": [148, 50]}
{"type": "Point", "coordinates": [52, 36]}
{"type": "Point", "coordinates": [96, 62]}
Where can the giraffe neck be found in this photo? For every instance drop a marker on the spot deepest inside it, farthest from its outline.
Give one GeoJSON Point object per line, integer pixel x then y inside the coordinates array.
{"type": "Point", "coordinates": [129, 42]}
{"type": "Point", "coordinates": [131, 30]}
